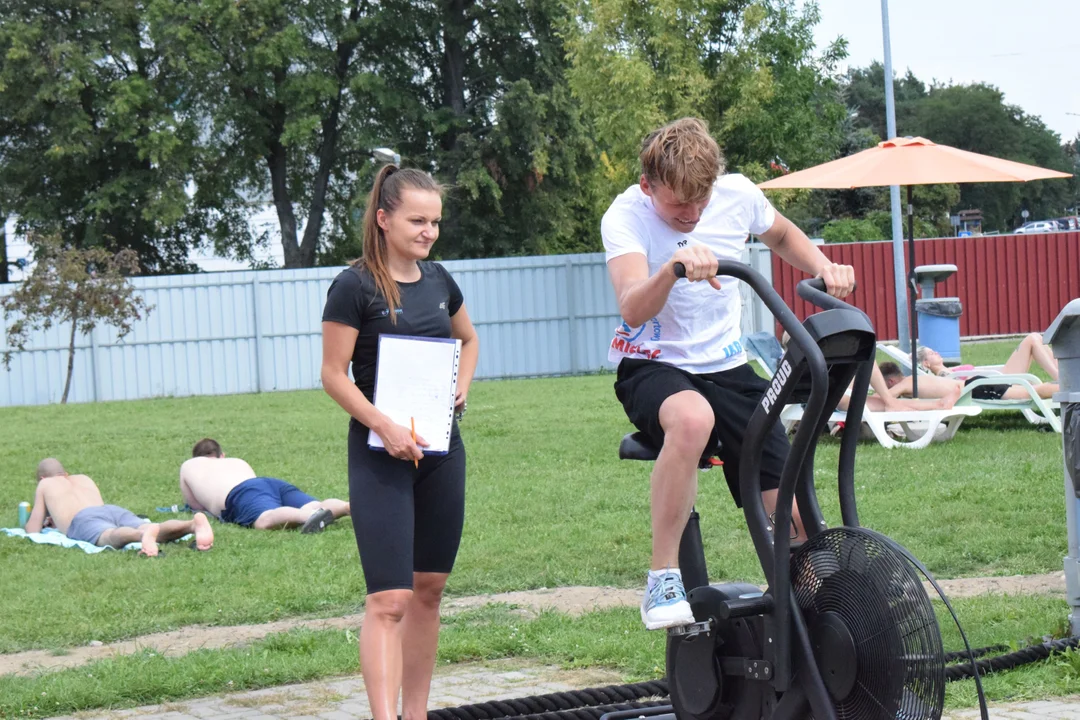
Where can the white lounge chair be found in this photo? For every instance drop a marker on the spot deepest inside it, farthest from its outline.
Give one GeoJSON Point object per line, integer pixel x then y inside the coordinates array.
{"type": "Point", "coordinates": [920, 427]}
{"type": "Point", "coordinates": [1037, 410]}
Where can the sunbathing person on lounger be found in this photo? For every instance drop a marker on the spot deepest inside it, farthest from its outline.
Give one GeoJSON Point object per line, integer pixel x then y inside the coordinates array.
{"type": "Point", "coordinates": [1030, 350]}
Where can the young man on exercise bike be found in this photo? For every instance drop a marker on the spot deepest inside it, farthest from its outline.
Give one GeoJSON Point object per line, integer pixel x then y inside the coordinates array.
{"type": "Point", "coordinates": [682, 377]}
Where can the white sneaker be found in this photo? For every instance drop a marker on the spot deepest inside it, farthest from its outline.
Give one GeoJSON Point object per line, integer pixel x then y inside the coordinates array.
{"type": "Point", "coordinates": [664, 604]}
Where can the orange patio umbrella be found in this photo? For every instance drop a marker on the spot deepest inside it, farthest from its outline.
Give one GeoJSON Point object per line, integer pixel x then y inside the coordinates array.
{"type": "Point", "coordinates": [910, 161]}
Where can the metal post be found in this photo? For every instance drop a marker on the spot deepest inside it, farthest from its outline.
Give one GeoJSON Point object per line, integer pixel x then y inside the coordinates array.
{"type": "Point", "coordinates": [912, 289]}
{"type": "Point", "coordinates": [1063, 336]}
{"type": "Point", "coordinates": [258, 331]}
{"type": "Point", "coordinates": [94, 366]}
{"type": "Point", "coordinates": [571, 315]}
{"type": "Point", "coordinates": [760, 260]}
{"type": "Point", "coordinates": [899, 276]}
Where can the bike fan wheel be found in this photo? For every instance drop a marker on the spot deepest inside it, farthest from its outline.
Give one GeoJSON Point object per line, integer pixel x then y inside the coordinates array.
{"type": "Point", "coordinates": [875, 636]}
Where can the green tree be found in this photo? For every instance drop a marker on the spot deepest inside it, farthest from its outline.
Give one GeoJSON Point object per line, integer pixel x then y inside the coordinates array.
{"type": "Point", "coordinates": [476, 93]}
{"type": "Point", "coordinates": [272, 83]}
{"type": "Point", "coordinates": [970, 117]}
{"type": "Point", "coordinates": [91, 144]}
{"type": "Point", "coordinates": [976, 118]}
{"type": "Point", "coordinates": [1072, 153]}
{"type": "Point", "coordinates": [83, 287]}
{"type": "Point", "coordinates": [294, 95]}
{"type": "Point", "coordinates": [750, 69]}
{"type": "Point", "coordinates": [851, 230]}
{"type": "Point", "coordinates": [864, 94]}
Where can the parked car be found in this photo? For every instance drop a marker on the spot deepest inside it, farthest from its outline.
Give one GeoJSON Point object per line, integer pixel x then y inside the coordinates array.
{"type": "Point", "coordinates": [1039, 226]}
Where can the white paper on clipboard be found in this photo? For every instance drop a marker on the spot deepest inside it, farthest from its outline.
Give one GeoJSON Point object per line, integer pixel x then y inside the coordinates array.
{"type": "Point", "coordinates": [416, 378]}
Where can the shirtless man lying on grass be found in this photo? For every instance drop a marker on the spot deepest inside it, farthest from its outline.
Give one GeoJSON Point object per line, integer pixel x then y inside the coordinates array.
{"type": "Point", "coordinates": [74, 503]}
{"type": "Point", "coordinates": [229, 489]}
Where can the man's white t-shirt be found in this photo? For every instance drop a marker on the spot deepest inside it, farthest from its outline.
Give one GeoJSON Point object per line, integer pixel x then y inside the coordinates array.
{"type": "Point", "coordinates": [698, 329]}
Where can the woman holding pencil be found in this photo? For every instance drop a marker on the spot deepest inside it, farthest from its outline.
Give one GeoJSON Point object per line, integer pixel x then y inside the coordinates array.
{"type": "Point", "coordinates": [408, 508]}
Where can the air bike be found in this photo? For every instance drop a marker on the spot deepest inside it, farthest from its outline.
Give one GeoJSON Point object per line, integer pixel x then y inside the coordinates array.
{"type": "Point", "coordinates": [845, 629]}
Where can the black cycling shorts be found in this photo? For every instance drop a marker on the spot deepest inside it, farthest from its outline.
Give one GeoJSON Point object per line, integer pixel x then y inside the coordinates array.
{"type": "Point", "coordinates": [643, 385]}
{"type": "Point", "coordinates": [987, 392]}
{"type": "Point", "coordinates": [406, 519]}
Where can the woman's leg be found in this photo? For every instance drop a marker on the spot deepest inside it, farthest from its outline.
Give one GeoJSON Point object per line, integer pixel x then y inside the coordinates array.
{"type": "Point", "coordinates": [440, 514]}
{"type": "Point", "coordinates": [420, 643]}
{"type": "Point", "coordinates": [381, 650]}
{"type": "Point", "coordinates": [1032, 349]}
{"type": "Point", "coordinates": [1019, 392]}
{"type": "Point", "coordinates": [382, 487]}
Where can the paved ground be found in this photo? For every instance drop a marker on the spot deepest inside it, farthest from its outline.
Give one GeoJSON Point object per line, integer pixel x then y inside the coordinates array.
{"type": "Point", "coordinates": [343, 699]}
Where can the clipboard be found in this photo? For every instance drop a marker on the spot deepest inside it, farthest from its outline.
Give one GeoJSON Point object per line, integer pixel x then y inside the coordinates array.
{"type": "Point", "coordinates": [416, 378]}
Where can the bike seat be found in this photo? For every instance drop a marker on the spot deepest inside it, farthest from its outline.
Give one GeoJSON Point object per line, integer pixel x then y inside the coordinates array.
{"type": "Point", "coordinates": [638, 446]}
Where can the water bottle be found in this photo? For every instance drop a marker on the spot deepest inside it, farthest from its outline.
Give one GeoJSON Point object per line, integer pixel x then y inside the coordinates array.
{"type": "Point", "coordinates": [24, 513]}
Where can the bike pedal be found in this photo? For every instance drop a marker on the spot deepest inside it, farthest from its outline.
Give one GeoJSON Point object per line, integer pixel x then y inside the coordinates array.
{"type": "Point", "coordinates": [691, 629]}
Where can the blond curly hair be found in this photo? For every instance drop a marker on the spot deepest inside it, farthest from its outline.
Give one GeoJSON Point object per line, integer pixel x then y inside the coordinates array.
{"type": "Point", "coordinates": [683, 157]}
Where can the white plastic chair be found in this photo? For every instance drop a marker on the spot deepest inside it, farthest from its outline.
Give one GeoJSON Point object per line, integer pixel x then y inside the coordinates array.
{"type": "Point", "coordinates": [920, 427]}
{"type": "Point", "coordinates": [1037, 410]}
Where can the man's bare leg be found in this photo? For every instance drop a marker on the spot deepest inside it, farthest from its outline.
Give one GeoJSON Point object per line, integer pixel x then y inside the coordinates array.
{"type": "Point", "coordinates": [199, 526]}
{"type": "Point", "coordinates": [288, 517]}
{"type": "Point", "coordinates": [284, 517]}
{"type": "Point", "coordinates": [119, 537]}
{"type": "Point", "coordinates": [340, 508]}
{"type": "Point", "coordinates": [687, 420]}
{"type": "Point", "coordinates": [151, 534]}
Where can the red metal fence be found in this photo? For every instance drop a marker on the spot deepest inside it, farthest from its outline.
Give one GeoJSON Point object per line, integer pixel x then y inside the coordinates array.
{"type": "Point", "coordinates": [1007, 284]}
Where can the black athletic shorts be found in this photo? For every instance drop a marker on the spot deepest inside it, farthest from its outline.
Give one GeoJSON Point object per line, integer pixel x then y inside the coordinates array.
{"type": "Point", "coordinates": [642, 386]}
{"type": "Point", "coordinates": [406, 519]}
{"type": "Point", "coordinates": [986, 392]}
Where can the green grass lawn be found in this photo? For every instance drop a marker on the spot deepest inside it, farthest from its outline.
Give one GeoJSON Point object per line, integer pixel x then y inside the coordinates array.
{"type": "Point", "coordinates": [549, 504]}
{"type": "Point", "coordinates": [612, 638]}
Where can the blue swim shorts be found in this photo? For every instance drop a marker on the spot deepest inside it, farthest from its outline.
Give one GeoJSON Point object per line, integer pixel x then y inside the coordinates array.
{"type": "Point", "coordinates": [251, 498]}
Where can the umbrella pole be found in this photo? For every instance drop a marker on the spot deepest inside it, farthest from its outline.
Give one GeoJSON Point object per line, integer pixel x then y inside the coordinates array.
{"type": "Point", "coordinates": [914, 333]}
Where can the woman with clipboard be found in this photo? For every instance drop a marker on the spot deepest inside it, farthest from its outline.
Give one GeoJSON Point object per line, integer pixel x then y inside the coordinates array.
{"type": "Point", "coordinates": [407, 508]}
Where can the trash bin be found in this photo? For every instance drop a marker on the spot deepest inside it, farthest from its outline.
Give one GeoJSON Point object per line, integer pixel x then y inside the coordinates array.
{"type": "Point", "coordinates": [939, 326]}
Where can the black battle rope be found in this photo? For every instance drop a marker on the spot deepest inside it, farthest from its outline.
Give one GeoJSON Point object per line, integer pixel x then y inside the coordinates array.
{"type": "Point", "coordinates": [550, 706]}
{"type": "Point", "coordinates": [594, 712]}
{"type": "Point", "coordinates": [1030, 654]}
{"type": "Point", "coordinates": [977, 652]}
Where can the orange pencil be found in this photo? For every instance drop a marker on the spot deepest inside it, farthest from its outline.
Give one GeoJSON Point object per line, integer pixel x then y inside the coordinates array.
{"type": "Point", "coordinates": [412, 421]}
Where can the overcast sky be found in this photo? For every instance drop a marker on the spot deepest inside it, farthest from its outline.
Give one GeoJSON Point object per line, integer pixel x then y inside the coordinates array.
{"type": "Point", "coordinates": [1030, 50]}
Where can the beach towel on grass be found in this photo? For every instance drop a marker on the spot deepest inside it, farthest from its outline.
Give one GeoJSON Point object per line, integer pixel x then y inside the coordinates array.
{"type": "Point", "coordinates": [51, 536]}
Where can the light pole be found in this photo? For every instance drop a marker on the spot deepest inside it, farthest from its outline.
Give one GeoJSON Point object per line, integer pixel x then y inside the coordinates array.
{"type": "Point", "coordinates": [899, 277]}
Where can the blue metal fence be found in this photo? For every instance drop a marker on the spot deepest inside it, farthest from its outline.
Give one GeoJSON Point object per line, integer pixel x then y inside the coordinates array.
{"type": "Point", "coordinates": [258, 331]}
